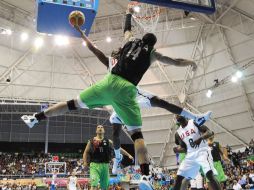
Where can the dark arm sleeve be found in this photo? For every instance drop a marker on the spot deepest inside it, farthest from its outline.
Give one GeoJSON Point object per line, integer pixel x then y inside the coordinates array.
{"type": "Point", "coordinates": [127, 26]}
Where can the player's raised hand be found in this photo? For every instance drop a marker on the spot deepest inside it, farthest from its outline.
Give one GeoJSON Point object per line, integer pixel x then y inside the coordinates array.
{"type": "Point", "coordinates": [194, 66]}
{"type": "Point", "coordinates": [131, 158]}
{"type": "Point", "coordinates": [130, 10]}
{"type": "Point", "coordinates": [77, 27]}
{"type": "Point", "coordinates": [226, 159]}
{"type": "Point", "coordinates": [179, 149]}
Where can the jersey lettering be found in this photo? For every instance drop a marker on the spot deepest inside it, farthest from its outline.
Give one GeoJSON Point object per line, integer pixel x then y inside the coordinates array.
{"type": "Point", "coordinates": [192, 144]}
{"type": "Point", "coordinates": [189, 135]}
{"type": "Point", "coordinates": [135, 50]}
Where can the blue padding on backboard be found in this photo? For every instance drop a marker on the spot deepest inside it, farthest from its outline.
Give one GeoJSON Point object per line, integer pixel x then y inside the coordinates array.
{"type": "Point", "coordinates": [182, 5]}
{"type": "Point", "coordinates": [52, 16]}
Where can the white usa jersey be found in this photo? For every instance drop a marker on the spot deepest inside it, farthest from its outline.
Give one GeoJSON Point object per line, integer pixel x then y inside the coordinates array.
{"type": "Point", "coordinates": [54, 176]}
{"type": "Point", "coordinates": [189, 134]}
{"type": "Point", "coordinates": [73, 183]}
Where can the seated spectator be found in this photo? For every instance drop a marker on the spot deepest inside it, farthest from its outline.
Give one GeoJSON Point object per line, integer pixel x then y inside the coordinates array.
{"type": "Point", "coordinates": [236, 185]}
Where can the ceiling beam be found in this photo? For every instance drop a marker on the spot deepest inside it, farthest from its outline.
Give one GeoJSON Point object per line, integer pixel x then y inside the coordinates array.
{"type": "Point", "coordinates": [14, 65]}
{"type": "Point", "coordinates": [215, 122]}
{"type": "Point", "coordinates": [197, 52]}
{"type": "Point", "coordinates": [226, 11]}
{"type": "Point", "coordinates": [241, 83]}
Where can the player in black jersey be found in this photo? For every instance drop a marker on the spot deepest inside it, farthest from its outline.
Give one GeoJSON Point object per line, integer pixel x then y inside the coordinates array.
{"type": "Point", "coordinates": [144, 99]}
{"type": "Point", "coordinates": [218, 153]}
{"type": "Point", "coordinates": [97, 155]}
{"type": "Point", "coordinates": [118, 89]}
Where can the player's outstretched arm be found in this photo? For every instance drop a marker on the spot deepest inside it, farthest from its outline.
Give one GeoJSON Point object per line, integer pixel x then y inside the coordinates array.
{"type": "Point", "coordinates": [86, 156]}
{"type": "Point", "coordinates": [127, 26]}
{"type": "Point", "coordinates": [181, 146]}
{"type": "Point", "coordinates": [78, 185]}
{"type": "Point", "coordinates": [124, 152]}
{"type": "Point", "coordinates": [97, 52]}
{"type": "Point", "coordinates": [170, 61]}
{"type": "Point", "coordinates": [224, 153]}
{"type": "Point", "coordinates": [206, 133]}
{"type": "Point", "coordinates": [67, 182]}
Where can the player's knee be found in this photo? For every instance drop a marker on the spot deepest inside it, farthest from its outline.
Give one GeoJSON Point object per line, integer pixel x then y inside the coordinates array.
{"type": "Point", "coordinates": [114, 119]}
{"type": "Point", "coordinates": [155, 101]}
{"type": "Point", "coordinates": [116, 129]}
{"type": "Point", "coordinates": [178, 182]}
{"type": "Point", "coordinates": [116, 135]}
{"type": "Point", "coordinates": [210, 175]}
{"type": "Point", "coordinates": [136, 136]}
{"type": "Point", "coordinates": [71, 105]}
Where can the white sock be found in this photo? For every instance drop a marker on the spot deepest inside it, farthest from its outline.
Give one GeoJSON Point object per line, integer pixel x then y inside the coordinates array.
{"type": "Point", "coordinates": [117, 153]}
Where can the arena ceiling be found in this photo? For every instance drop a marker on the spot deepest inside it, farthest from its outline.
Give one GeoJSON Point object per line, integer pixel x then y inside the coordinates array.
{"type": "Point", "coordinates": [221, 44]}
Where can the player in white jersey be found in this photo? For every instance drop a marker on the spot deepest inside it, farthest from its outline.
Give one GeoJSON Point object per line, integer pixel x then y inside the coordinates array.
{"type": "Point", "coordinates": [197, 183]}
{"type": "Point", "coordinates": [145, 100]}
{"type": "Point", "coordinates": [53, 181]}
{"type": "Point", "coordinates": [148, 100]}
{"type": "Point", "coordinates": [72, 183]}
{"type": "Point", "coordinates": [191, 138]}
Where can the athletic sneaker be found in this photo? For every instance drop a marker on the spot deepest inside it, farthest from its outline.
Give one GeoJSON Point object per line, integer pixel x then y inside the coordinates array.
{"type": "Point", "coordinates": [145, 183]}
{"type": "Point", "coordinates": [30, 120]}
{"type": "Point", "coordinates": [202, 118]}
{"type": "Point", "coordinates": [116, 164]}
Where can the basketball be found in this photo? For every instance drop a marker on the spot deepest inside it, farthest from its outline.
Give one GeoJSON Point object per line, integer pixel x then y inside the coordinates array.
{"type": "Point", "coordinates": [76, 18]}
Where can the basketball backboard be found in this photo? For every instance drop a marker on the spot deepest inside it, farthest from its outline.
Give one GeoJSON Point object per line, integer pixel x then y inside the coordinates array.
{"type": "Point", "coordinates": [202, 6]}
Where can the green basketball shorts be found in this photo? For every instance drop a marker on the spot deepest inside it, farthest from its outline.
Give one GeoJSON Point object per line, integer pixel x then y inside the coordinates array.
{"type": "Point", "coordinates": [99, 175]}
{"type": "Point", "coordinates": [116, 91]}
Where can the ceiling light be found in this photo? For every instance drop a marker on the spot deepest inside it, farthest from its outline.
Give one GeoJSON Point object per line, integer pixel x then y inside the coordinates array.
{"type": "Point", "coordinates": [239, 74]}
{"type": "Point", "coordinates": [24, 36]}
{"type": "Point", "coordinates": [108, 39]}
{"type": "Point", "coordinates": [84, 43]}
{"type": "Point", "coordinates": [209, 93]}
{"type": "Point", "coordinates": [38, 42]}
{"type": "Point", "coordinates": [61, 40]}
{"type": "Point", "coordinates": [234, 79]}
{"type": "Point", "coordinates": [136, 9]}
{"type": "Point", "coordinates": [6, 31]}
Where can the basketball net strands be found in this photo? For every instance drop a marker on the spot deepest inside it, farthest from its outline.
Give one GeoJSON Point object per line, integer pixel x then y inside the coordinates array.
{"type": "Point", "coordinates": [145, 15]}
{"type": "Point", "coordinates": [55, 165]}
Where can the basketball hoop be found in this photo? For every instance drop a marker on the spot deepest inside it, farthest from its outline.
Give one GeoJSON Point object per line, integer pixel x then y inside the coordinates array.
{"type": "Point", "coordinates": [146, 15]}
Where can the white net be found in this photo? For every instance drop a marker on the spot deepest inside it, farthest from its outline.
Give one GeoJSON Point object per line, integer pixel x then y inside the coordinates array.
{"type": "Point", "coordinates": [52, 167]}
{"type": "Point", "coordinates": [146, 15]}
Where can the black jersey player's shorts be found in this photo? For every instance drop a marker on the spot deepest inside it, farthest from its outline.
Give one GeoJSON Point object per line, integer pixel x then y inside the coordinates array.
{"type": "Point", "coordinates": [144, 100]}
{"type": "Point", "coordinates": [115, 91]}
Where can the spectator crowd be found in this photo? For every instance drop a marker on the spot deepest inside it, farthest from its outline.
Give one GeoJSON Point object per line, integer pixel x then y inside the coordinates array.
{"type": "Point", "coordinates": [239, 172]}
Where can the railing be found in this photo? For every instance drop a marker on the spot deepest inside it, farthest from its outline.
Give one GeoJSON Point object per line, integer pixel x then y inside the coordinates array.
{"type": "Point", "coordinates": [39, 176]}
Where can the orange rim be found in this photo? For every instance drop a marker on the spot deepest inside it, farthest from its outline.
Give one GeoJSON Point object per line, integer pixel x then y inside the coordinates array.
{"type": "Point", "coordinates": [155, 13]}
